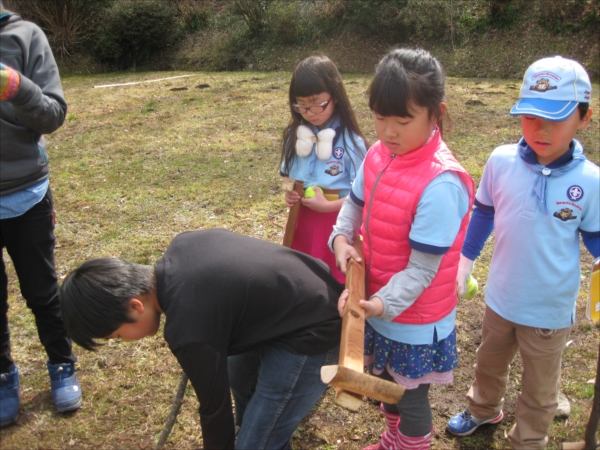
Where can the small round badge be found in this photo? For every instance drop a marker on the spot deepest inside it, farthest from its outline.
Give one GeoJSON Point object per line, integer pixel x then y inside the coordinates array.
{"type": "Point", "coordinates": [575, 193]}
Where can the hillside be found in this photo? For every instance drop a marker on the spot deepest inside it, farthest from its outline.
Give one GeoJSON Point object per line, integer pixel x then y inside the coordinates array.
{"type": "Point", "coordinates": [472, 38]}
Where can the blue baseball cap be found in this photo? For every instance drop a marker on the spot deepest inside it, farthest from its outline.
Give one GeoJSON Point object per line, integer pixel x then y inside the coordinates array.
{"type": "Point", "coordinates": [552, 88]}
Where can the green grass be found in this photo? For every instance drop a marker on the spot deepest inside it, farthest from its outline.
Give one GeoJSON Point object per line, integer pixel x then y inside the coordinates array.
{"type": "Point", "coordinates": [135, 165]}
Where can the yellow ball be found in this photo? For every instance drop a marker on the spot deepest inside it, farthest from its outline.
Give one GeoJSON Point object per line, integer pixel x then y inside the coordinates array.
{"type": "Point", "coordinates": [472, 288]}
{"type": "Point", "coordinates": [309, 192]}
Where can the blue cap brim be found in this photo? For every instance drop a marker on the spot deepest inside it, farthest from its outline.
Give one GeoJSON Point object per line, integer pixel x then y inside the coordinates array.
{"type": "Point", "coordinates": [554, 110]}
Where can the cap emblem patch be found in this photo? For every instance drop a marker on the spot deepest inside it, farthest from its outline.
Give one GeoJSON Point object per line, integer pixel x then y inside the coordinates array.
{"type": "Point", "coordinates": [542, 85]}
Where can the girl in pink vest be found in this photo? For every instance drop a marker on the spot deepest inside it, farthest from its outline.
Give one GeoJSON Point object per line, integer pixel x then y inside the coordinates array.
{"type": "Point", "coordinates": [412, 198]}
{"type": "Point", "coordinates": [322, 146]}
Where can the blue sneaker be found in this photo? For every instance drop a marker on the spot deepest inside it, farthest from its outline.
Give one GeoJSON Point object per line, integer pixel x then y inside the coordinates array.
{"type": "Point", "coordinates": [65, 386]}
{"type": "Point", "coordinates": [464, 424]}
{"type": "Point", "coordinates": [9, 397]}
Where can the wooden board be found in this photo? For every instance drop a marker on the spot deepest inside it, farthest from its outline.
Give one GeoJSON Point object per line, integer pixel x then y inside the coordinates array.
{"type": "Point", "coordinates": [290, 226]}
{"type": "Point", "coordinates": [352, 344]}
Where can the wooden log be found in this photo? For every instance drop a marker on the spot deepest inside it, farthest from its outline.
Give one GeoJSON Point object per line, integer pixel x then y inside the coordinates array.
{"type": "Point", "coordinates": [362, 383]}
{"type": "Point", "coordinates": [290, 227]}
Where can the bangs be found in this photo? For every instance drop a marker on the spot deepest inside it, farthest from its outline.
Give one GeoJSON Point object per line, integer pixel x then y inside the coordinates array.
{"type": "Point", "coordinates": [306, 84]}
{"type": "Point", "coordinates": [389, 95]}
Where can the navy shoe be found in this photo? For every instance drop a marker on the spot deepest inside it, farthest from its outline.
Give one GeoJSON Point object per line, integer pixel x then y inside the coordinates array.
{"type": "Point", "coordinates": [65, 386]}
{"type": "Point", "coordinates": [464, 424]}
{"type": "Point", "coordinates": [9, 397]}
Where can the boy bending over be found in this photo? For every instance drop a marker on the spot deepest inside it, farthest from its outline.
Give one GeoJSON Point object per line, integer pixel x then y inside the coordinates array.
{"type": "Point", "coordinates": [241, 313]}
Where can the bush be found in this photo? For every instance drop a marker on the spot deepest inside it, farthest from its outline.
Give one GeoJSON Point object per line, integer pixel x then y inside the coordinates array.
{"type": "Point", "coordinates": [503, 13]}
{"type": "Point", "coordinates": [69, 24]}
{"type": "Point", "coordinates": [289, 23]}
{"type": "Point", "coordinates": [254, 13]}
{"type": "Point", "coordinates": [196, 20]}
{"type": "Point", "coordinates": [132, 31]}
{"type": "Point", "coordinates": [417, 20]}
{"type": "Point", "coordinates": [560, 16]}
{"type": "Point", "coordinates": [327, 17]}
{"type": "Point", "coordinates": [401, 20]}
{"type": "Point", "coordinates": [195, 15]}
{"type": "Point", "coordinates": [226, 46]}
{"type": "Point", "coordinates": [370, 16]}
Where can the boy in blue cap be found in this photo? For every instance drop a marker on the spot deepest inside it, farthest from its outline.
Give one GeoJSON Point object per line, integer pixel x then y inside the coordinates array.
{"type": "Point", "coordinates": [538, 195]}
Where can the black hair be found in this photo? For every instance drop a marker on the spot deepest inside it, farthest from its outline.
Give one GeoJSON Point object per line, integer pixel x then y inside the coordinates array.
{"type": "Point", "coordinates": [583, 109]}
{"type": "Point", "coordinates": [405, 76]}
{"type": "Point", "coordinates": [94, 298]}
{"type": "Point", "coordinates": [312, 76]}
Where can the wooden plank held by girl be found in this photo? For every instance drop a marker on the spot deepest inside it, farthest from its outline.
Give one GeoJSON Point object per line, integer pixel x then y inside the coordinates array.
{"type": "Point", "coordinates": [348, 377]}
{"type": "Point", "coordinates": [289, 185]}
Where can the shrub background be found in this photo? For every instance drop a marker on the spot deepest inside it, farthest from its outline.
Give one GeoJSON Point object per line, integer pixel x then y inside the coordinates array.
{"type": "Point", "coordinates": [132, 31]}
{"type": "Point", "coordinates": [472, 38]}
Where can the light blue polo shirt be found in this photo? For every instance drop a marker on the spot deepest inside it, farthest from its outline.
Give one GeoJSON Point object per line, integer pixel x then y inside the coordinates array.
{"type": "Point", "coordinates": [535, 275]}
{"type": "Point", "coordinates": [440, 210]}
{"type": "Point", "coordinates": [339, 170]}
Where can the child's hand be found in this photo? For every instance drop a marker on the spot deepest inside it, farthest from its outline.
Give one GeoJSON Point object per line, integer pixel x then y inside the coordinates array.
{"type": "Point", "coordinates": [291, 197]}
{"type": "Point", "coordinates": [9, 82]}
{"type": "Point", "coordinates": [342, 302]}
{"type": "Point", "coordinates": [317, 203]}
{"type": "Point", "coordinates": [465, 267]}
{"type": "Point", "coordinates": [372, 307]}
{"type": "Point", "coordinates": [343, 251]}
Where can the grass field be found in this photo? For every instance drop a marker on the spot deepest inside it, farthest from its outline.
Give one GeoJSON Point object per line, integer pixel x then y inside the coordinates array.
{"type": "Point", "coordinates": [135, 165]}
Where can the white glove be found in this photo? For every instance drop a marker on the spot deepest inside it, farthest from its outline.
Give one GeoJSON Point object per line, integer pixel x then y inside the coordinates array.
{"type": "Point", "coordinates": [465, 267]}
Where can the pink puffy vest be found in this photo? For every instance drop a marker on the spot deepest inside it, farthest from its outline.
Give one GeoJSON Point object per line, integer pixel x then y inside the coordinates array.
{"type": "Point", "coordinates": [392, 190]}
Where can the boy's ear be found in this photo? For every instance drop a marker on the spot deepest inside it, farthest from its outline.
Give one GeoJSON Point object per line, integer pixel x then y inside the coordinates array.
{"type": "Point", "coordinates": [585, 120]}
{"type": "Point", "coordinates": [136, 304]}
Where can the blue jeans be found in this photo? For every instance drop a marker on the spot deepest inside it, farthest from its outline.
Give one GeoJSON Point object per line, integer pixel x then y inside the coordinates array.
{"type": "Point", "coordinates": [274, 388]}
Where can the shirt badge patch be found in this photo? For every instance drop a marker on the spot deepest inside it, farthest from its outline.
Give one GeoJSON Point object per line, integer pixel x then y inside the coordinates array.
{"type": "Point", "coordinates": [338, 153]}
{"type": "Point", "coordinates": [565, 214]}
{"type": "Point", "coordinates": [575, 193]}
{"type": "Point", "coordinates": [334, 170]}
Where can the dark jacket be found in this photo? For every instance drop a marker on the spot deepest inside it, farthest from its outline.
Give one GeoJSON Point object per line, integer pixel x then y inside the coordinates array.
{"type": "Point", "coordinates": [37, 108]}
{"type": "Point", "coordinates": [225, 294]}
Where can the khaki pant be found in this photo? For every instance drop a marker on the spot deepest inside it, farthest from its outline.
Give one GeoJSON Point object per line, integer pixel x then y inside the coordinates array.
{"type": "Point", "coordinates": [541, 352]}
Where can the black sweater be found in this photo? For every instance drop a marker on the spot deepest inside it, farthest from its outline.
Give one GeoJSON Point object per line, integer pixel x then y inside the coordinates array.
{"type": "Point", "coordinates": [225, 294]}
